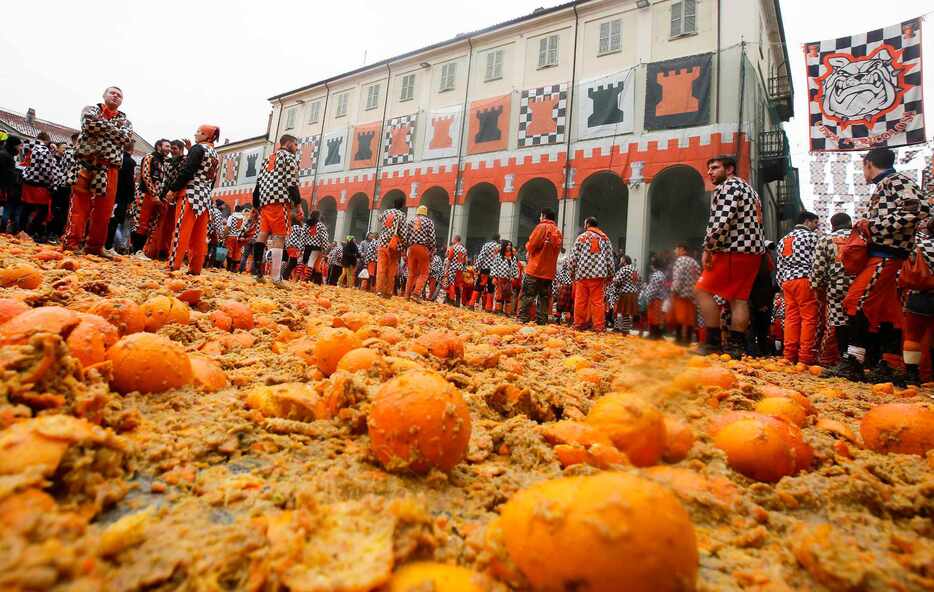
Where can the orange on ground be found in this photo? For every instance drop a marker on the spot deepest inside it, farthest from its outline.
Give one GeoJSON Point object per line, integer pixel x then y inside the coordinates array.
{"type": "Point", "coordinates": [437, 577]}
{"type": "Point", "coordinates": [45, 319]}
{"type": "Point", "coordinates": [772, 390]}
{"type": "Point", "coordinates": [904, 428]}
{"type": "Point", "coordinates": [240, 314]}
{"type": "Point", "coordinates": [355, 320]}
{"type": "Point", "coordinates": [692, 378]}
{"type": "Point", "coordinates": [331, 346]}
{"type": "Point", "coordinates": [10, 307]}
{"type": "Point", "coordinates": [576, 363]}
{"type": "Point", "coordinates": [679, 439]}
{"type": "Point", "coordinates": [207, 374]}
{"type": "Point", "coordinates": [419, 421]}
{"type": "Point", "coordinates": [122, 313]}
{"type": "Point", "coordinates": [633, 425]}
{"type": "Point", "coordinates": [884, 388]}
{"type": "Point", "coordinates": [389, 320]}
{"type": "Point", "coordinates": [358, 359]}
{"type": "Point", "coordinates": [21, 276]}
{"type": "Point", "coordinates": [148, 363]}
{"type": "Point", "coordinates": [594, 533]}
{"type": "Point", "coordinates": [90, 340]}
{"type": "Point", "coordinates": [443, 344]}
{"type": "Point", "coordinates": [573, 432]}
{"type": "Point", "coordinates": [222, 320]}
{"type": "Point", "coordinates": [764, 448]}
{"type": "Point", "coordinates": [163, 310]}
{"type": "Point", "coordinates": [291, 400]}
{"type": "Point", "coordinates": [783, 408]}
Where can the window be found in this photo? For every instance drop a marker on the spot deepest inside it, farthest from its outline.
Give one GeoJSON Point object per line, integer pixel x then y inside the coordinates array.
{"type": "Point", "coordinates": [314, 112]}
{"type": "Point", "coordinates": [448, 76]}
{"type": "Point", "coordinates": [372, 97]}
{"type": "Point", "coordinates": [342, 100]}
{"type": "Point", "coordinates": [494, 65]}
{"type": "Point", "coordinates": [408, 88]}
{"type": "Point", "coordinates": [548, 51]}
{"type": "Point", "coordinates": [611, 33]}
{"type": "Point", "coordinates": [683, 17]}
{"type": "Point", "coordinates": [290, 118]}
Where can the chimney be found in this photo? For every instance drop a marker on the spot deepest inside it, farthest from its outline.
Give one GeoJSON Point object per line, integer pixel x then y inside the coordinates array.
{"type": "Point", "coordinates": [30, 115]}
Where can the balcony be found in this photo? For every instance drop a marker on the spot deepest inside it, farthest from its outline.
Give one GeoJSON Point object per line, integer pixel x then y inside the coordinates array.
{"type": "Point", "coordinates": [773, 156]}
{"type": "Point", "coordinates": [787, 196]}
{"type": "Point", "coordinates": [780, 96]}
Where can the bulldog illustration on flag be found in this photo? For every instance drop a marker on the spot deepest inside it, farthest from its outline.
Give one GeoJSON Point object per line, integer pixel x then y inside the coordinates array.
{"type": "Point", "coordinates": [364, 149]}
{"type": "Point", "coordinates": [399, 140]}
{"type": "Point", "coordinates": [442, 133]}
{"type": "Point", "coordinates": [333, 148]}
{"type": "Point", "coordinates": [605, 106]}
{"type": "Point", "coordinates": [865, 90]}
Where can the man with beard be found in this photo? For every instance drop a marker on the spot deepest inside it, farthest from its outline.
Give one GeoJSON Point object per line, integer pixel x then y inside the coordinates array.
{"type": "Point", "coordinates": [163, 226]}
{"type": "Point", "coordinates": [148, 205]}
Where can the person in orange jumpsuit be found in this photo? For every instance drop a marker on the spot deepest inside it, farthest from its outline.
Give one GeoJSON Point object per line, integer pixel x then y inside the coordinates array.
{"type": "Point", "coordinates": [389, 247]}
{"type": "Point", "coordinates": [591, 266]}
{"type": "Point", "coordinates": [795, 258]}
{"type": "Point", "coordinates": [105, 132]}
{"type": "Point", "coordinates": [456, 263]}
{"type": "Point", "coordinates": [147, 206]}
{"type": "Point", "coordinates": [278, 192]}
{"type": "Point", "coordinates": [419, 234]}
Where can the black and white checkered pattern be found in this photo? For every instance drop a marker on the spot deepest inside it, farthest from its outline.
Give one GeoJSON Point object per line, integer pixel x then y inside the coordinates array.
{"type": "Point", "coordinates": [559, 113]}
{"type": "Point", "coordinates": [298, 237]}
{"type": "Point", "coordinates": [486, 254]}
{"type": "Point", "coordinates": [101, 138]}
{"type": "Point", "coordinates": [895, 208]}
{"type": "Point", "coordinates": [796, 254]}
{"type": "Point", "coordinates": [656, 288]}
{"type": "Point", "coordinates": [826, 133]}
{"type": "Point", "coordinates": [171, 167]}
{"type": "Point", "coordinates": [684, 275]}
{"type": "Point", "coordinates": [436, 270]}
{"type": "Point", "coordinates": [217, 225]}
{"type": "Point", "coordinates": [420, 230]}
{"type": "Point", "coordinates": [626, 280]}
{"type": "Point", "coordinates": [457, 257]}
{"type": "Point", "coordinates": [198, 191]}
{"type": "Point", "coordinates": [368, 251]}
{"type": "Point", "coordinates": [232, 180]}
{"type": "Point", "coordinates": [735, 223]}
{"type": "Point", "coordinates": [336, 254]}
{"type": "Point", "coordinates": [504, 267]}
{"type": "Point", "coordinates": [828, 275]}
{"type": "Point", "coordinates": [42, 168]}
{"type": "Point", "coordinates": [67, 164]}
{"type": "Point", "coordinates": [589, 262]}
{"type": "Point", "coordinates": [279, 174]}
{"type": "Point", "coordinates": [308, 143]}
{"type": "Point", "coordinates": [319, 236]}
{"type": "Point", "coordinates": [394, 124]}
{"type": "Point", "coordinates": [778, 308]}
{"type": "Point", "coordinates": [391, 223]}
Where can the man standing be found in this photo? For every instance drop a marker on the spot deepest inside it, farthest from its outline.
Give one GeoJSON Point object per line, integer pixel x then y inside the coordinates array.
{"type": "Point", "coordinates": [234, 223]}
{"type": "Point", "coordinates": [456, 263]}
{"type": "Point", "coordinates": [591, 266]}
{"type": "Point", "coordinates": [873, 309]}
{"type": "Point", "coordinates": [38, 176]}
{"type": "Point", "coordinates": [389, 240]}
{"type": "Point", "coordinates": [10, 180]}
{"type": "Point", "coordinates": [105, 131]}
{"type": "Point", "coordinates": [368, 258]}
{"type": "Point", "coordinates": [61, 189]}
{"type": "Point", "coordinates": [543, 247]}
{"type": "Point", "coordinates": [483, 264]}
{"type": "Point", "coordinates": [795, 258]}
{"type": "Point", "coordinates": [684, 275]}
{"type": "Point", "coordinates": [193, 187]}
{"type": "Point", "coordinates": [126, 180]}
{"type": "Point", "coordinates": [162, 226]}
{"type": "Point", "coordinates": [733, 248]}
{"type": "Point", "coordinates": [420, 237]}
{"type": "Point", "coordinates": [278, 189]}
{"type": "Point", "coordinates": [151, 177]}
{"type": "Point", "coordinates": [828, 277]}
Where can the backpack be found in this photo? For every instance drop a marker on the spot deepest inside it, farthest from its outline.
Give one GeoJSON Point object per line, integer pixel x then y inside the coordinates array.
{"type": "Point", "coordinates": [916, 273]}
{"type": "Point", "coordinates": [854, 253]}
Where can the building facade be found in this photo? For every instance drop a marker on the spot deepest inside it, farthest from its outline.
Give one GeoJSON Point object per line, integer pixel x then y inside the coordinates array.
{"type": "Point", "coordinates": [606, 108]}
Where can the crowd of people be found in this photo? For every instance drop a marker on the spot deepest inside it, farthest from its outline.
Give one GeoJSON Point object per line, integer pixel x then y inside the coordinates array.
{"type": "Point", "coordinates": [858, 296]}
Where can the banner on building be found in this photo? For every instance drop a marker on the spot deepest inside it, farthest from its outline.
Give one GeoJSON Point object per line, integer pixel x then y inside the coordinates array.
{"type": "Point", "coordinates": [543, 115]}
{"type": "Point", "coordinates": [230, 169]}
{"type": "Point", "coordinates": [488, 125]}
{"type": "Point", "coordinates": [399, 140]}
{"type": "Point", "coordinates": [251, 162]}
{"type": "Point", "coordinates": [307, 156]}
{"type": "Point", "coordinates": [865, 90]}
{"type": "Point", "coordinates": [606, 105]}
{"type": "Point", "coordinates": [364, 147]}
{"type": "Point", "coordinates": [442, 133]}
{"type": "Point", "coordinates": [677, 92]}
{"type": "Point", "coordinates": [334, 146]}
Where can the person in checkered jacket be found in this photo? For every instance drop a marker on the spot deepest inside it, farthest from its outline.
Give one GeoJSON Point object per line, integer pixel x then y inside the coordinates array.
{"type": "Point", "coordinates": [147, 205]}
{"type": "Point", "coordinates": [592, 265]}
{"type": "Point", "coordinates": [829, 279]}
{"type": "Point", "coordinates": [896, 209]}
{"type": "Point", "coordinates": [39, 174]}
{"type": "Point", "coordinates": [484, 283]}
{"type": "Point", "coordinates": [234, 247]}
{"type": "Point", "coordinates": [434, 275]}
{"type": "Point", "coordinates": [795, 260]}
{"type": "Point", "coordinates": [684, 275]}
{"type": "Point", "coordinates": [456, 263]}
{"type": "Point", "coordinates": [733, 250]}
{"type": "Point", "coordinates": [61, 190]}
{"type": "Point", "coordinates": [503, 269]}
{"type": "Point", "coordinates": [368, 258]}
{"type": "Point", "coordinates": [389, 247]}
{"type": "Point", "coordinates": [217, 232]}
{"type": "Point", "coordinates": [919, 308]}
{"type": "Point", "coordinates": [193, 187]}
{"type": "Point", "coordinates": [318, 240]}
{"type": "Point", "coordinates": [626, 291]}
{"type": "Point", "coordinates": [543, 247]}
{"type": "Point", "coordinates": [163, 221]}
{"type": "Point", "coordinates": [419, 235]}
{"type": "Point", "coordinates": [278, 192]}
{"type": "Point", "coordinates": [295, 244]}
{"type": "Point", "coordinates": [105, 131]}
{"type": "Point", "coordinates": [334, 257]}
{"type": "Point", "coordinates": [655, 293]}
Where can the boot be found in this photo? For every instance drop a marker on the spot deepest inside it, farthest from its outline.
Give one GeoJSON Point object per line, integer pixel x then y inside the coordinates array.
{"type": "Point", "coordinates": [736, 345]}
{"type": "Point", "coordinates": [712, 345]}
{"type": "Point", "coordinates": [849, 368]}
{"type": "Point", "coordinates": [912, 375]}
{"type": "Point", "coordinates": [258, 249]}
{"type": "Point", "coordinates": [881, 373]}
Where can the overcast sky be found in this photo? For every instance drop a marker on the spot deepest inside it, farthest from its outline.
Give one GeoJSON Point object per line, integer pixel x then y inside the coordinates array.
{"type": "Point", "coordinates": [182, 63]}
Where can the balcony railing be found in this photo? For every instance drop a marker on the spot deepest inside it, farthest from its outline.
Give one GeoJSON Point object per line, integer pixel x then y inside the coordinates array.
{"type": "Point", "coordinates": [780, 95]}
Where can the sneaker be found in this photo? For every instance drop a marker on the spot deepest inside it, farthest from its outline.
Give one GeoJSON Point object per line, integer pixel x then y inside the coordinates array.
{"type": "Point", "coordinates": [259, 279]}
{"type": "Point", "coordinates": [848, 368]}
{"type": "Point", "coordinates": [141, 255]}
{"type": "Point", "coordinates": [278, 284]}
{"type": "Point", "coordinates": [109, 254]}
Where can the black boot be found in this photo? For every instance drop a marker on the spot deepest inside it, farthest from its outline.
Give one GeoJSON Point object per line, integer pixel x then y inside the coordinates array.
{"type": "Point", "coordinates": [881, 373]}
{"type": "Point", "coordinates": [736, 346]}
{"type": "Point", "coordinates": [713, 344]}
{"type": "Point", "coordinates": [912, 375]}
{"type": "Point", "coordinates": [258, 249]}
{"type": "Point", "coordinates": [849, 368]}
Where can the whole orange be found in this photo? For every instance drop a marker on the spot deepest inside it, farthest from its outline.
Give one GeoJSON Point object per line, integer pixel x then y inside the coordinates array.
{"type": "Point", "coordinates": [634, 426]}
{"type": "Point", "coordinates": [904, 428]}
{"type": "Point", "coordinates": [148, 363]}
{"type": "Point", "coordinates": [331, 346]}
{"type": "Point", "coordinates": [764, 448]}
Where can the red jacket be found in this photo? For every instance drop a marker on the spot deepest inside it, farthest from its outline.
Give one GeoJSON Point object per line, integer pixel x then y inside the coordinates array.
{"type": "Point", "coordinates": [543, 248]}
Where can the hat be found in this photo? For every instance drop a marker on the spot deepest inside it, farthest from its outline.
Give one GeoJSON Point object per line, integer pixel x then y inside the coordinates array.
{"type": "Point", "coordinates": [422, 210]}
{"type": "Point", "coordinates": [212, 131]}
{"type": "Point", "coordinates": [349, 237]}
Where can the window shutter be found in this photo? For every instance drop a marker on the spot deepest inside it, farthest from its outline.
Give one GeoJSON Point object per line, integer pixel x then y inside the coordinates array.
{"type": "Point", "coordinates": [490, 63]}
{"type": "Point", "coordinates": [553, 50]}
{"type": "Point", "coordinates": [676, 18]}
{"type": "Point", "coordinates": [616, 34]}
{"type": "Point", "coordinates": [542, 52]}
{"type": "Point", "coordinates": [604, 38]}
{"type": "Point", "coordinates": [498, 67]}
{"type": "Point", "coordinates": [690, 16]}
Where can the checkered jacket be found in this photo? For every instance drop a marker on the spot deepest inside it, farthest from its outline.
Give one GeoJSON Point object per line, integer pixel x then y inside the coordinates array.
{"type": "Point", "coordinates": [437, 267]}
{"type": "Point", "coordinates": [152, 174]}
{"type": "Point", "coordinates": [279, 174]}
{"type": "Point", "coordinates": [234, 223]}
{"type": "Point", "coordinates": [657, 287]}
{"type": "Point", "coordinates": [420, 230]}
{"type": "Point", "coordinates": [895, 208]}
{"type": "Point", "coordinates": [828, 275]}
{"type": "Point", "coordinates": [684, 275]}
{"type": "Point", "coordinates": [592, 256]}
{"type": "Point", "coordinates": [100, 144]}
{"type": "Point", "coordinates": [171, 168]}
{"type": "Point", "coordinates": [778, 308]}
{"type": "Point", "coordinates": [41, 168]}
{"type": "Point", "coordinates": [626, 280]}
{"type": "Point", "coordinates": [796, 254]}
{"type": "Point", "coordinates": [250, 227]}
{"type": "Point", "coordinates": [68, 168]}
{"type": "Point", "coordinates": [217, 226]}
{"type": "Point", "coordinates": [319, 236]}
{"type": "Point", "coordinates": [391, 223]}
{"type": "Point", "coordinates": [298, 237]}
{"type": "Point", "coordinates": [60, 178]}
{"type": "Point", "coordinates": [197, 175]}
{"type": "Point", "coordinates": [485, 257]}
{"type": "Point", "coordinates": [457, 257]}
{"type": "Point", "coordinates": [735, 223]}
{"type": "Point", "coordinates": [504, 267]}
{"type": "Point", "coordinates": [368, 251]}
{"type": "Point", "coordinates": [336, 254]}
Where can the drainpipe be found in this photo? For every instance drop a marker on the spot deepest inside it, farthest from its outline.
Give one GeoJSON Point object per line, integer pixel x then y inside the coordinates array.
{"type": "Point", "coordinates": [567, 150]}
{"type": "Point", "coordinates": [742, 92]}
{"type": "Point", "coordinates": [719, 57]}
{"type": "Point", "coordinates": [314, 177]}
{"type": "Point", "coordinates": [379, 144]}
{"type": "Point", "coordinates": [458, 178]}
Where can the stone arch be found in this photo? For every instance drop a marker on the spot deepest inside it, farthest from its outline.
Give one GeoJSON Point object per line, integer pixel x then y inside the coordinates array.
{"type": "Point", "coordinates": [482, 210]}
{"type": "Point", "coordinates": [534, 195]}
{"type": "Point", "coordinates": [327, 205]}
{"type": "Point", "coordinates": [679, 207]}
{"type": "Point", "coordinates": [438, 202]}
{"type": "Point", "coordinates": [605, 196]}
{"type": "Point", "coordinates": [386, 202]}
{"type": "Point", "coordinates": [358, 216]}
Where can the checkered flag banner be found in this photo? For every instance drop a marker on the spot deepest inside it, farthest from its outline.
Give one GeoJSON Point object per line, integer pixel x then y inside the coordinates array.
{"type": "Point", "coordinates": [230, 169]}
{"type": "Point", "coordinates": [307, 156]}
{"type": "Point", "coordinates": [865, 90]}
{"type": "Point", "coordinates": [399, 140]}
{"type": "Point", "coordinates": [543, 115]}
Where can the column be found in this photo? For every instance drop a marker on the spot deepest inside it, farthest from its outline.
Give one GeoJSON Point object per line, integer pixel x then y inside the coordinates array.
{"type": "Point", "coordinates": [567, 221]}
{"type": "Point", "coordinates": [459, 222]}
{"type": "Point", "coordinates": [410, 211]}
{"type": "Point", "coordinates": [341, 226]}
{"type": "Point", "coordinates": [637, 225]}
{"type": "Point", "coordinates": [508, 221]}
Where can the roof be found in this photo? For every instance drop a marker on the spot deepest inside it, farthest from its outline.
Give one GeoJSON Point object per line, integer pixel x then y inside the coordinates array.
{"type": "Point", "coordinates": [236, 142]}
{"type": "Point", "coordinates": [537, 13]}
